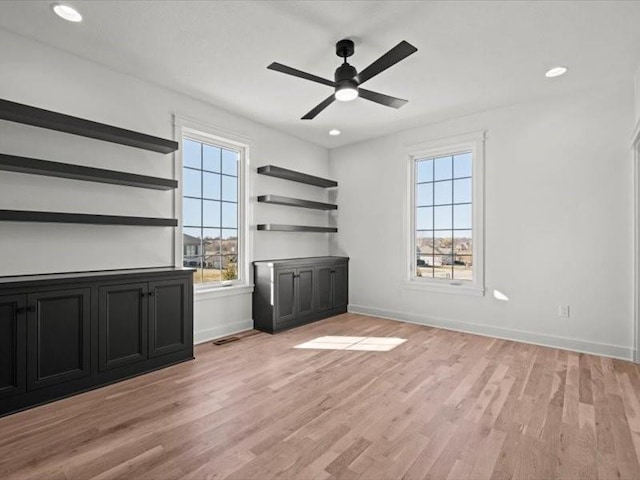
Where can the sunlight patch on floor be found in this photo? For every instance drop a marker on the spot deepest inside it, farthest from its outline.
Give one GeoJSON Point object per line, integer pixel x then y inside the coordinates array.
{"type": "Point", "coordinates": [368, 344]}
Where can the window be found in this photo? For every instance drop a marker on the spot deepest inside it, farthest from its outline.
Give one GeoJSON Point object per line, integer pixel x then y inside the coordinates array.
{"type": "Point", "coordinates": [446, 213]}
{"type": "Point", "coordinates": [211, 206]}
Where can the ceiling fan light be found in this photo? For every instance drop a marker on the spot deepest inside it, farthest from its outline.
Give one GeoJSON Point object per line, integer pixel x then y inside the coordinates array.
{"type": "Point", "coordinates": [346, 94]}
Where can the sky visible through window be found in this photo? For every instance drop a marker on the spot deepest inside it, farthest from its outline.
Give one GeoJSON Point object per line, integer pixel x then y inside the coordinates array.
{"type": "Point", "coordinates": [210, 211]}
{"type": "Point", "coordinates": [443, 217]}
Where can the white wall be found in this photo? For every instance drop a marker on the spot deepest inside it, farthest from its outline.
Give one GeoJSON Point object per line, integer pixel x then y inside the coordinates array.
{"type": "Point", "coordinates": [39, 75]}
{"type": "Point", "coordinates": [558, 224]}
{"type": "Point", "coordinates": [637, 92]}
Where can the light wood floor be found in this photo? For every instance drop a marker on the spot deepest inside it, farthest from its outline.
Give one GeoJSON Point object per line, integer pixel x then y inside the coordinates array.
{"type": "Point", "coordinates": [443, 405]}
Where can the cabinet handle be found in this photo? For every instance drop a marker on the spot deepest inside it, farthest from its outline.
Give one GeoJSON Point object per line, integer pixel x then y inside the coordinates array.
{"type": "Point", "coordinates": [152, 294]}
{"type": "Point", "coordinates": [21, 310]}
{"type": "Point", "coordinates": [31, 308]}
{"type": "Point", "coordinates": [296, 276]}
{"type": "Point", "coordinates": [333, 271]}
{"type": "Point", "coordinates": [142, 295]}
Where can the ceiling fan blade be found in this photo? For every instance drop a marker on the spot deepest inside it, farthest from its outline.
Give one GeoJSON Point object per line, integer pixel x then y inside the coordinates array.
{"type": "Point", "coordinates": [320, 107]}
{"type": "Point", "coordinates": [381, 98]}
{"type": "Point", "coordinates": [389, 59]}
{"type": "Point", "coordinates": [278, 67]}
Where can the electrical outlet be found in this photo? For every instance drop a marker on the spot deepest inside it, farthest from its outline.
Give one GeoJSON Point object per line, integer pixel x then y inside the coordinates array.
{"type": "Point", "coordinates": [563, 311]}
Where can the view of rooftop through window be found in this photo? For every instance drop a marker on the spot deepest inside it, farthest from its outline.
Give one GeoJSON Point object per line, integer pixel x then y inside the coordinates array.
{"type": "Point", "coordinates": [443, 217]}
{"type": "Point", "coordinates": [210, 211]}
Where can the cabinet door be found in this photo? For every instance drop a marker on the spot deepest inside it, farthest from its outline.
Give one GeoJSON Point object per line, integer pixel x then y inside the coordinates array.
{"type": "Point", "coordinates": [305, 279]}
{"type": "Point", "coordinates": [122, 324]}
{"type": "Point", "coordinates": [170, 307]}
{"type": "Point", "coordinates": [324, 300]}
{"type": "Point", "coordinates": [13, 341]}
{"type": "Point", "coordinates": [340, 285]}
{"type": "Point", "coordinates": [58, 330]}
{"type": "Point", "coordinates": [285, 304]}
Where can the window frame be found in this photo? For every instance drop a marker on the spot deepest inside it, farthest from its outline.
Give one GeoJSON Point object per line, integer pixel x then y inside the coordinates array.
{"type": "Point", "coordinates": [473, 143]}
{"type": "Point", "coordinates": [197, 131]}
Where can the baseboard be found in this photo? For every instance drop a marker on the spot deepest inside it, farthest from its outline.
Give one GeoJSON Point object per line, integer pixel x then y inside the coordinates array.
{"type": "Point", "coordinates": [202, 336]}
{"type": "Point", "coordinates": [581, 346]}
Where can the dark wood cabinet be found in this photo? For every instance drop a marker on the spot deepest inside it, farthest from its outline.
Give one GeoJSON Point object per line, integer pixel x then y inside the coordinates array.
{"type": "Point", "coordinates": [333, 287]}
{"type": "Point", "coordinates": [293, 292]}
{"type": "Point", "coordinates": [13, 340]}
{"type": "Point", "coordinates": [170, 313]}
{"type": "Point", "coordinates": [58, 336]}
{"type": "Point", "coordinates": [285, 294]}
{"type": "Point", "coordinates": [122, 325]}
{"type": "Point", "coordinates": [67, 333]}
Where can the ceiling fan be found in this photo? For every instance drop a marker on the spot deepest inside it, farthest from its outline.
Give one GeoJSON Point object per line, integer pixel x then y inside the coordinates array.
{"type": "Point", "coordinates": [348, 80]}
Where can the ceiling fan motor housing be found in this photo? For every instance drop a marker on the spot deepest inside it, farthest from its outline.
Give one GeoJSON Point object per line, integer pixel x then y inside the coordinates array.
{"type": "Point", "coordinates": [345, 77]}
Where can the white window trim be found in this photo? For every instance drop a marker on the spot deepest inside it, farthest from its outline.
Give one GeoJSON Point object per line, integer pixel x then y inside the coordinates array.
{"type": "Point", "coordinates": [473, 142]}
{"type": "Point", "coordinates": [184, 126]}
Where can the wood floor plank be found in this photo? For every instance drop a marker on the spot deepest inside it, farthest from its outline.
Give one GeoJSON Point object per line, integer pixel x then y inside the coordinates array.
{"type": "Point", "coordinates": [442, 405]}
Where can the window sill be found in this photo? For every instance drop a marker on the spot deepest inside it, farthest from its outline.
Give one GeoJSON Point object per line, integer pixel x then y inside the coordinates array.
{"type": "Point", "coordinates": [450, 288]}
{"type": "Point", "coordinates": [207, 293]}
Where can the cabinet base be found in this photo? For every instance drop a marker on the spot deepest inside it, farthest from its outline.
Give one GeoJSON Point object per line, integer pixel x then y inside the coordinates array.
{"type": "Point", "coordinates": [315, 318]}
{"type": "Point", "coordinates": [42, 396]}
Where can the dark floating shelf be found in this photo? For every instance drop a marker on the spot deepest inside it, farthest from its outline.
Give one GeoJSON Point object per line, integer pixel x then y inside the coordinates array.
{"type": "Point", "coordinates": [38, 117]}
{"type": "Point", "coordinates": [296, 202]}
{"type": "Point", "coordinates": [278, 172]}
{"type": "Point", "coordinates": [57, 217]}
{"type": "Point", "coordinates": [12, 163]}
{"type": "Point", "coordinates": [272, 227]}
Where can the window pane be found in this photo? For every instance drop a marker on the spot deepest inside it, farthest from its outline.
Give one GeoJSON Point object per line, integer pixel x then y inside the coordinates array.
{"type": "Point", "coordinates": [191, 184]}
{"type": "Point", "coordinates": [229, 188]}
{"type": "Point", "coordinates": [191, 246]}
{"type": "Point", "coordinates": [197, 264]}
{"type": "Point", "coordinates": [442, 218]}
{"type": "Point", "coordinates": [212, 241]}
{"type": "Point", "coordinates": [211, 185]}
{"type": "Point", "coordinates": [462, 191]}
{"type": "Point", "coordinates": [443, 242]}
{"type": "Point", "coordinates": [463, 267]}
{"type": "Point", "coordinates": [191, 212]}
{"type": "Point", "coordinates": [462, 165]}
{"type": "Point", "coordinates": [444, 169]}
{"type": "Point", "coordinates": [208, 248]}
{"type": "Point", "coordinates": [229, 267]}
{"type": "Point", "coordinates": [424, 194]}
{"type": "Point", "coordinates": [463, 242]}
{"type": "Point", "coordinates": [443, 193]}
{"type": "Point", "coordinates": [424, 253]}
{"type": "Point", "coordinates": [230, 162]}
{"type": "Point", "coordinates": [211, 270]}
{"type": "Point", "coordinates": [442, 270]}
{"type": "Point", "coordinates": [424, 170]}
{"type": "Point", "coordinates": [211, 158]}
{"type": "Point", "coordinates": [210, 213]}
{"type": "Point", "coordinates": [424, 218]}
{"type": "Point", "coordinates": [462, 216]}
{"type": "Point", "coordinates": [229, 215]}
{"type": "Point", "coordinates": [229, 241]}
{"type": "Point", "coordinates": [191, 154]}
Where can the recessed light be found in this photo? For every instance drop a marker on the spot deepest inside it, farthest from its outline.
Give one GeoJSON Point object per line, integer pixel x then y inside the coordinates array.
{"type": "Point", "coordinates": [67, 12]}
{"type": "Point", "coordinates": [556, 72]}
{"type": "Point", "coordinates": [334, 132]}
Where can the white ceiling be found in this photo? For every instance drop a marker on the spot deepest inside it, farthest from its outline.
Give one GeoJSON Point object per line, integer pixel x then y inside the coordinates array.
{"type": "Point", "coordinates": [472, 56]}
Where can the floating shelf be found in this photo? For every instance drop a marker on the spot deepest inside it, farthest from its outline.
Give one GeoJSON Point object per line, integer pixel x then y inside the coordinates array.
{"type": "Point", "coordinates": [278, 172]}
{"type": "Point", "coordinates": [12, 163]}
{"type": "Point", "coordinates": [296, 202]}
{"type": "Point", "coordinates": [38, 117]}
{"type": "Point", "coordinates": [272, 227]}
{"type": "Point", "coordinates": [57, 217]}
